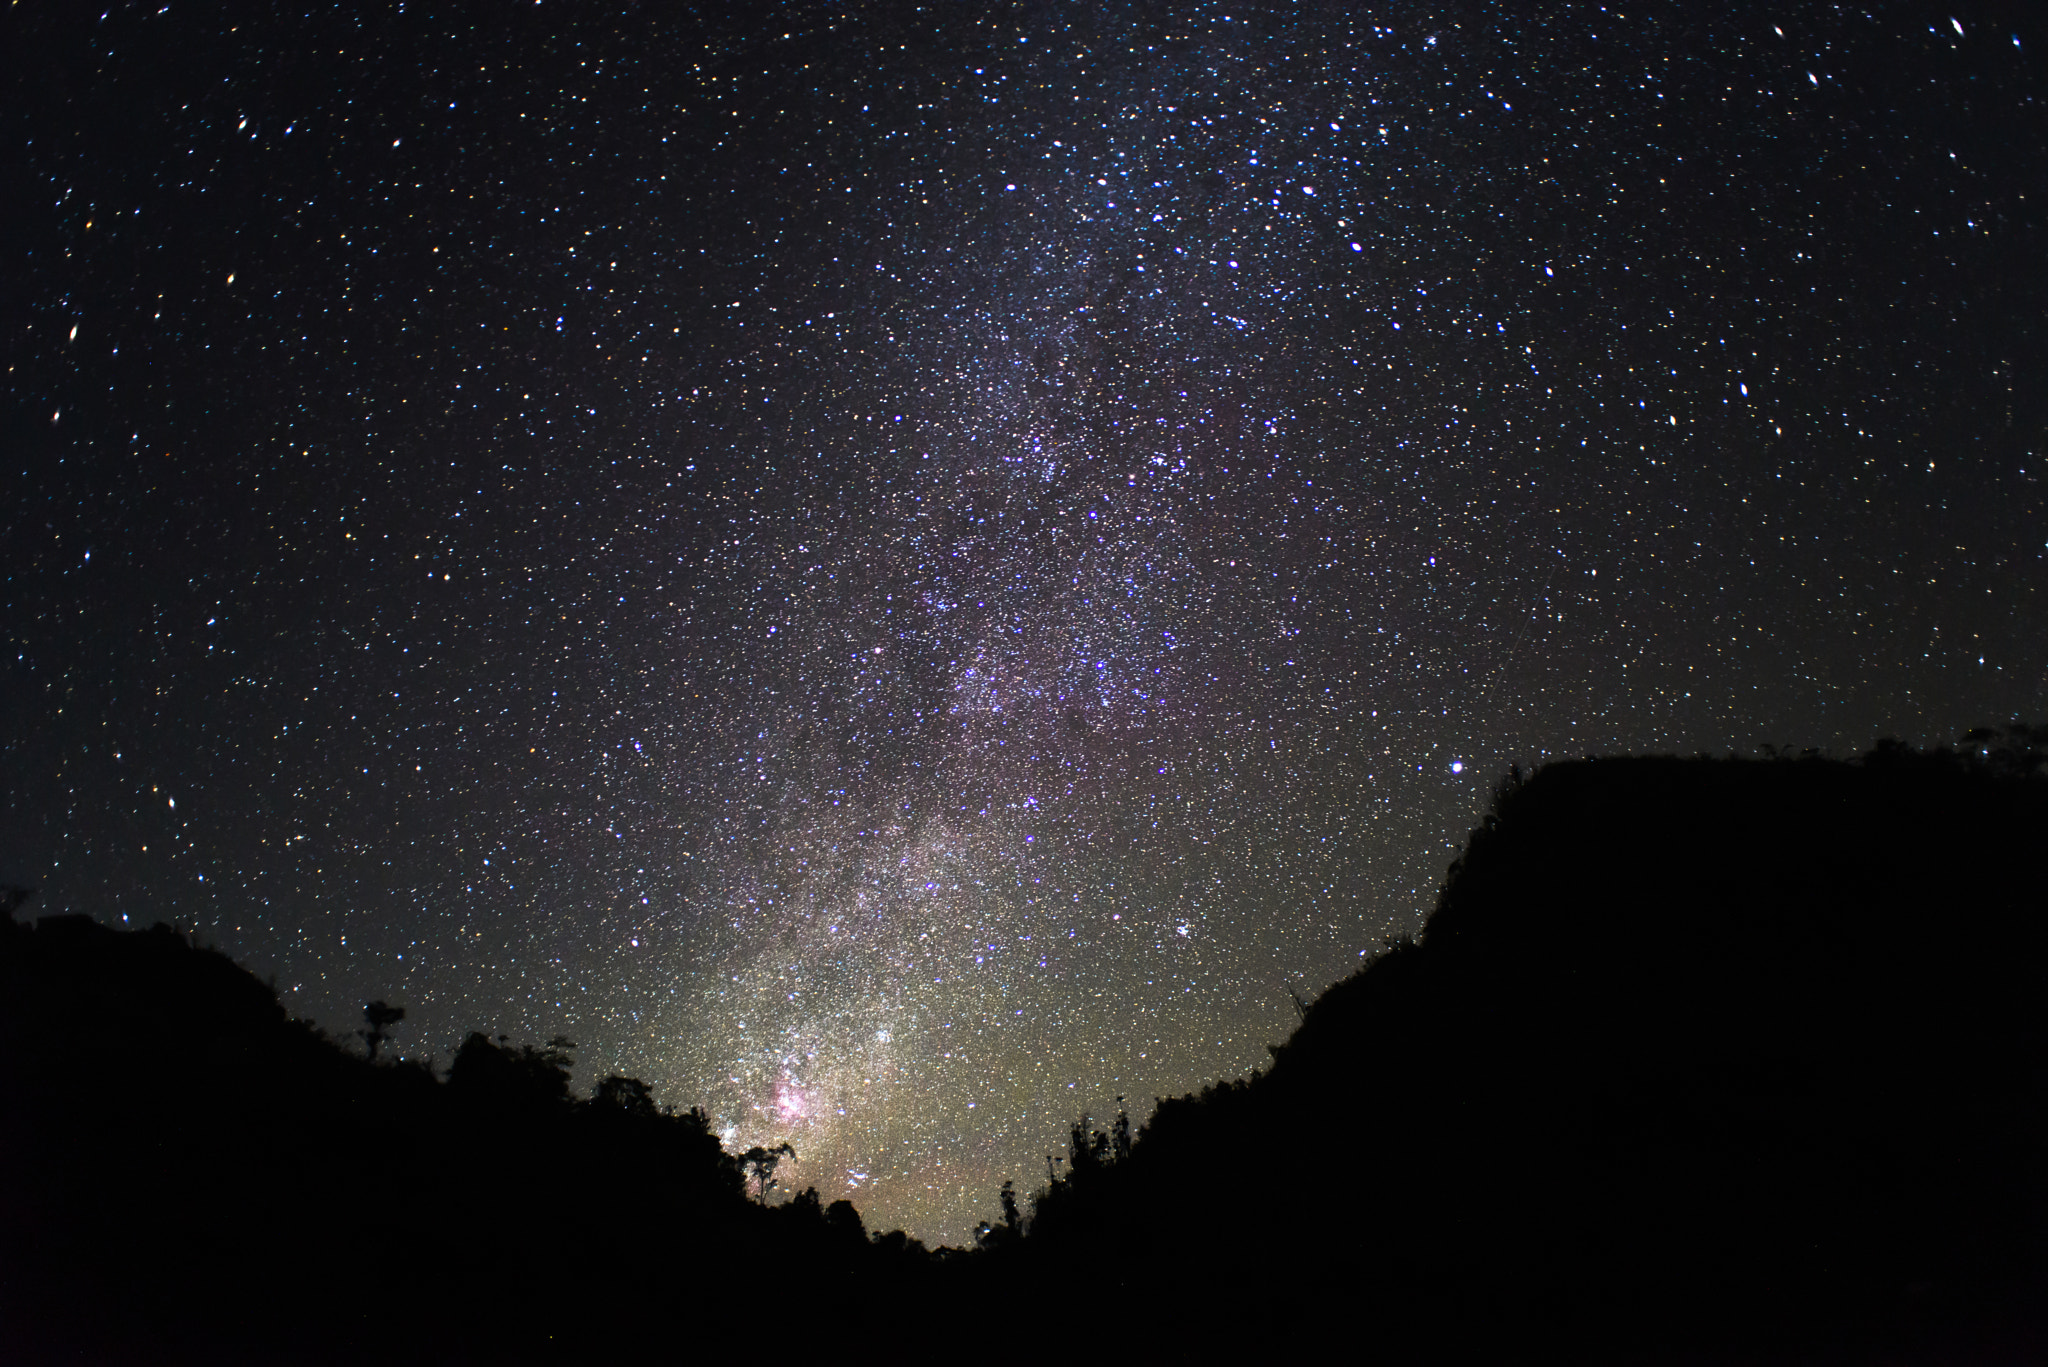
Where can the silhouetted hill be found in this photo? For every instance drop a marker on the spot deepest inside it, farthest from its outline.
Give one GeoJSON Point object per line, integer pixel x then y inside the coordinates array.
{"type": "Point", "coordinates": [1714, 1055]}
{"type": "Point", "coordinates": [1696, 1060]}
{"type": "Point", "coordinates": [189, 1176]}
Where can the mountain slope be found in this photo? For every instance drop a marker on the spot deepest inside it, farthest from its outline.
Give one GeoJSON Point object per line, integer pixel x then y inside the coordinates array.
{"type": "Point", "coordinates": [1691, 1053]}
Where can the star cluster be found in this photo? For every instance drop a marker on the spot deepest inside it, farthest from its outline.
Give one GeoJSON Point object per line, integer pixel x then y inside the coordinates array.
{"type": "Point", "coordinates": [904, 572]}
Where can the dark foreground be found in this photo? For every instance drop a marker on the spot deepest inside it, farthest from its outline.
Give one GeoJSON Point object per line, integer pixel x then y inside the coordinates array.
{"type": "Point", "coordinates": [1696, 1061]}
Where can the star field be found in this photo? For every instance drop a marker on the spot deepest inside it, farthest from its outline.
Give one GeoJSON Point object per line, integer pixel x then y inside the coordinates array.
{"type": "Point", "coordinates": [904, 572]}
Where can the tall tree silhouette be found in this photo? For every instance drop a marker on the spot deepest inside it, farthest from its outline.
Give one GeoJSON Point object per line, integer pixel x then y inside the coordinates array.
{"type": "Point", "coordinates": [1088, 1149]}
{"type": "Point", "coordinates": [379, 1018]}
{"type": "Point", "coordinates": [759, 1165]}
{"type": "Point", "coordinates": [1010, 1230]}
{"type": "Point", "coordinates": [1012, 1221]}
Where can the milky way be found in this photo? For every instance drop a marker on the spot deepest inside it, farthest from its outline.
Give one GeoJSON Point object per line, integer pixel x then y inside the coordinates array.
{"type": "Point", "coordinates": [904, 573]}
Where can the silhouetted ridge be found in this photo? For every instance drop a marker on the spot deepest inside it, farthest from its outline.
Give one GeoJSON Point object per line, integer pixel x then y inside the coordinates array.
{"type": "Point", "coordinates": [1726, 1058]}
{"type": "Point", "coordinates": [1691, 1052]}
{"type": "Point", "coordinates": [190, 1176]}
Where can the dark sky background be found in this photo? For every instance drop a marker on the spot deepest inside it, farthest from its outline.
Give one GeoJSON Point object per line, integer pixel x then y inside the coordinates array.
{"type": "Point", "coordinates": [902, 572]}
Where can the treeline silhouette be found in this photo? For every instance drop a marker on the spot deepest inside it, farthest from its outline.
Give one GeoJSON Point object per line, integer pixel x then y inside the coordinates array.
{"type": "Point", "coordinates": [1722, 1057]}
{"type": "Point", "coordinates": [188, 1175]}
{"type": "Point", "coordinates": [1719, 1058]}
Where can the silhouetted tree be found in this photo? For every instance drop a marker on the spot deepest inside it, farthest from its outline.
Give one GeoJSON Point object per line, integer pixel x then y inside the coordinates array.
{"type": "Point", "coordinates": [1087, 1149]}
{"type": "Point", "coordinates": [759, 1165]}
{"type": "Point", "coordinates": [628, 1094]}
{"type": "Point", "coordinates": [807, 1205]}
{"type": "Point", "coordinates": [1010, 1230]}
{"type": "Point", "coordinates": [501, 1075]}
{"type": "Point", "coordinates": [379, 1018]}
{"type": "Point", "coordinates": [1120, 1133]}
{"type": "Point", "coordinates": [843, 1219]}
{"type": "Point", "coordinates": [900, 1247]}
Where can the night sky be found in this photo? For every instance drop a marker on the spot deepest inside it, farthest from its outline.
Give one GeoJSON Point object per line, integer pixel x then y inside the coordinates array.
{"type": "Point", "coordinates": [903, 572]}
